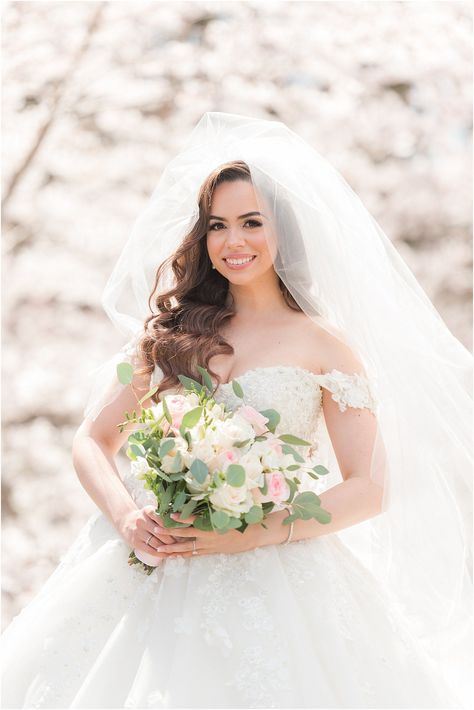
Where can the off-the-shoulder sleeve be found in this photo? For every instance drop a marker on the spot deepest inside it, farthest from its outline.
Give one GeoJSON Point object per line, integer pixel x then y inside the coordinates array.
{"type": "Point", "coordinates": [130, 354]}
{"type": "Point", "coordinates": [156, 376]}
{"type": "Point", "coordinates": [349, 390]}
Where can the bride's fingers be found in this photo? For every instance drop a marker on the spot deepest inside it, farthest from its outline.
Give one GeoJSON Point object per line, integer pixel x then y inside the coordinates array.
{"type": "Point", "coordinates": [141, 545]}
{"type": "Point", "coordinates": [159, 533]}
{"type": "Point", "coordinates": [154, 542]}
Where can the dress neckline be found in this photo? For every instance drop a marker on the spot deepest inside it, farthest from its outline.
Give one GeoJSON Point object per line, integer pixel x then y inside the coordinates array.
{"type": "Point", "coordinates": [252, 370]}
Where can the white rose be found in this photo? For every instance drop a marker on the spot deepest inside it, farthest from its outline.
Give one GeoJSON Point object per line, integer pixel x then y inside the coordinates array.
{"type": "Point", "coordinates": [232, 499]}
{"type": "Point", "coordinates": [253, 469]}
{"type": "Point", "coordinates": [227, 432]}
{"type": "Point", "coordinates": [139, 466]}
{"type": "Point", "coordinates": [216, 410]}
{"type": "Point", "coordinates": [157, 411]}
{"type": "Point", "coordinates": [167, 462]}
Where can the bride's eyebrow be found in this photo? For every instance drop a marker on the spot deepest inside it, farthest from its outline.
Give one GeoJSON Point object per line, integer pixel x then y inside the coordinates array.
{"type": "Point", "coordinates": [247, 214]}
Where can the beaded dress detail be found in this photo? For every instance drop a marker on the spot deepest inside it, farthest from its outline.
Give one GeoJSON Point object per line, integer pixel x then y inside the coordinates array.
{"type": "Point", "coordinates": [303, 625]}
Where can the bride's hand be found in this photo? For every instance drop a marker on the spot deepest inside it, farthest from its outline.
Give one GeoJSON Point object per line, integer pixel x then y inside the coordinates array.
{"type": "Point", "coordinates": [137, 526]}
{"type": "Point", "coordinates": [208, 542]}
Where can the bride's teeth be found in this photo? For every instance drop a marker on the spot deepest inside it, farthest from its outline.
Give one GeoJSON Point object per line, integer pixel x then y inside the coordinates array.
{"type": "Point", "coordinates": [240, 261]}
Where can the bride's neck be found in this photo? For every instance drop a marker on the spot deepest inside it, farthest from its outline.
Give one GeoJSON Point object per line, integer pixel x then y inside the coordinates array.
{"type": "Point", "coordinates": [256, 300]}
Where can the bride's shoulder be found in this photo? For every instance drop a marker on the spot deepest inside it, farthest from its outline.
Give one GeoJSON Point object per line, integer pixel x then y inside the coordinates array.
{"type": "Point", "coordinates": [333, 347]}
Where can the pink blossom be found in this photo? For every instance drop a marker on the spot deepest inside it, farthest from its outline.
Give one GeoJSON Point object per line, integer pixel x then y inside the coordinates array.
{"type": "Point", "coordinates": [274, 442]}
{"type": "Point", "coordinates": [225, 458]}
{"type": "Point", "coordinates": [257, 420]}
{"type": "Point", "coordinates": [278, 489]}
{"type": "Point", "coordinates": [178, 405]}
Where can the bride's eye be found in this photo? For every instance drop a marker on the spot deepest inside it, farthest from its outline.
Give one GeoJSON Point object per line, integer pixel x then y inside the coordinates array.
{"type": "Point", "coordinates": [253, 222]}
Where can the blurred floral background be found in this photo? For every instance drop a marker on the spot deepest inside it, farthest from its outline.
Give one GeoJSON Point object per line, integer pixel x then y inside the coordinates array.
{"type": "Point", "coordinates": [98, 96]}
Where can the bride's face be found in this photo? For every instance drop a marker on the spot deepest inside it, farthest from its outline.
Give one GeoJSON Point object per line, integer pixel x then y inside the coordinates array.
{"type": "Point", "coordinates": [235, 234]}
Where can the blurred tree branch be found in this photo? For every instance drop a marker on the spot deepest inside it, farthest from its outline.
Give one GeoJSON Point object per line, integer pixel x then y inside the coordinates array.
{"type": "Point", "coordinates": [59, 91]}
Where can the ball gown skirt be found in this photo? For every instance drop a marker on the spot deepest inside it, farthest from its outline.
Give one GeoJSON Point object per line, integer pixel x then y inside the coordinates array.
{"type": "Point", "coordinates": [303, 625]}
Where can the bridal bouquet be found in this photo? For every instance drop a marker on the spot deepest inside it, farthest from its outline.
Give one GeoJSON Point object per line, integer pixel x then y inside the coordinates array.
{"type": "Point", "coordinates": [227, 468]}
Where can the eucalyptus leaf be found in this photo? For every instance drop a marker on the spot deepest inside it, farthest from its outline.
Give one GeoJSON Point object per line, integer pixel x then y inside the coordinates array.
{"type": "Point", "coordinates": [235, 523]}
{"type": "Point", "coordinates": [199, 470]}
{"type": "Point", "coordinates": [202, 523]}
{"type": "Point", "coordinates": [254, 515]}
{"type": "Point", "coordinates": [149, 394]}
{"type": "Point", "coordinates": [190, 384]}
{"type": "Point", "coordinates": [179, 501]}
{"type": "Point", "coordinates": [166, 446]}
{"type": "Point", "coordinates": [166, 411]}
{"type": "Point", "coordinates": [320, 470]}
{"type": "Point", "coordinates": [137, 450]}
{"type": "Point", "coordinates": [188, 508]}
{"type": "Point", "coordinates": [192, 417]}
{"type": "Point", "coordinates": [290, 450]}
{"type": "Point", "coordinates": [125, 373]}
{"type": "Point", "coordinates": [206, 379]}
{"type": "Point", "coordinates": [235, 475]}
{"type": "Point", "coordinates": [220, 519]}
{"type": "Point", "coordinates": [291, 439]}
{"type": "Point", "coordinates": [273, 418]}
{"type": "Point", "coordinates": [322, 516]}
{"type": "Point", "coordinates": [176, 463]}
{"type": "Point", "coordinates": [238, 391]}
{"type": "Point", "coordinates": [241, 444]}
{"type": "Point", "coordinates": [166, 498]}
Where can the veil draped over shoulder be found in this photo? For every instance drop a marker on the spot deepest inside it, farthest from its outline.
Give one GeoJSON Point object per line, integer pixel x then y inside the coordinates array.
{"type": "Point", "coordinates": [344, 272]}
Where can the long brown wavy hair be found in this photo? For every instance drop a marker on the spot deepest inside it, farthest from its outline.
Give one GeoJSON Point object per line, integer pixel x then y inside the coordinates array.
{"type": "Point", "coordinates": [185, 330]}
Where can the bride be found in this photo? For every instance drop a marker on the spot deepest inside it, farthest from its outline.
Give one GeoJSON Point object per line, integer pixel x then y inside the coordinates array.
{"type": "Point", "coordinates": [260, 264]}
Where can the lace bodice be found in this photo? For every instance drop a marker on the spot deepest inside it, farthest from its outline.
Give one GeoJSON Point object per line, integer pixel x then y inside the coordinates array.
{"type": "Point", "coordinates": [296, 393]}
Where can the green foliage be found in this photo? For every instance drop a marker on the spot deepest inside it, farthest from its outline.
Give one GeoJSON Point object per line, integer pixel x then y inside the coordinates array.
{"type": "Point", "coordinates": [192, 417]}
{"type": "Point", "coordinates": [166, 446]}
{"type": "Point", "coordinates": [188, 508]}
{"type": "Point", "coordinates": [199, 470]}
{"type": "Point", "coordinates": [206, 379]}
{"type": "Point", "coordinates": [254, 515]}
{"type": "Point", "coordinates": [179, 501]}
{"type": "Point", "coordinates": [241, 444]}
{"type": "Point", "coordinates": [235, 475]}
{"type": "Point", "coordinates": [190, 385]}
{"type": "Point", "coordinates": [125, 373]}
{"type": "Point", "coordinates": [290, 450]}
{"type": "Point", "coordinates": [291, 439]}
{"type": "Point", "coordinates": [238, 391]}
{"type": "Point", "coordinates": [166, 411]}
{"type": "Point", "coordinates": [149, 394]}
{"type": "Point", "coordinates": [220, 519]}
{"type": "Point", "coordinates": [273, 418]}
{"type": "Point", "coordinates": [321, 470]}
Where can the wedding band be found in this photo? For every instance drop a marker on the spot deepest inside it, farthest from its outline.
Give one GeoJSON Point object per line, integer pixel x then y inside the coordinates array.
{"type": "Point", "coordinates": [195, 552]}
{"type": "Point", "coordinates": [148, 541]}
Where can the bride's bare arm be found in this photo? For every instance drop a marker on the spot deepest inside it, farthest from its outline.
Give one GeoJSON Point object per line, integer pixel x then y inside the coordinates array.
{"type": "Point", "coordinates": [353, 436]}
{"type": "Point", "coordinates": [94, 448]}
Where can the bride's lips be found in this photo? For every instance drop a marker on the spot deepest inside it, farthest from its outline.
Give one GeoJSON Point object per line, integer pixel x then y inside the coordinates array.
{"type": "Point", "coordinates": [236, 267]}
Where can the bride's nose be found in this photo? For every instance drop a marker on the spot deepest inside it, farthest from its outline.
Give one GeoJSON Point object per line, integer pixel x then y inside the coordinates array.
{"type": "Point", "coordinates": [235, 237]}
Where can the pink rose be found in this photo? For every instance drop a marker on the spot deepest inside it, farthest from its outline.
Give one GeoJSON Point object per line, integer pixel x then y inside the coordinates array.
{"type": "Point", "coordinates": [225, 458]}
{"type": "Point", "coordinates": [178, 406]}
{"type": "Point", "coordinates": [257, 420]}
{"type": "Point", "coordinates": [278, 489]}
{"type": "Point", "coordinates": [274, 442]}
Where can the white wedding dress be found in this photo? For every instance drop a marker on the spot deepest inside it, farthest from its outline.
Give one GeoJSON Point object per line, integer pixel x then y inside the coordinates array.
{"type": "Point", "coordinates": [303, 625]}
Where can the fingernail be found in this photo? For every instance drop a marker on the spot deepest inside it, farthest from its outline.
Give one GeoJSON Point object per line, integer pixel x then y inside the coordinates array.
{"type": "Point", "coordinates": [174, 515]}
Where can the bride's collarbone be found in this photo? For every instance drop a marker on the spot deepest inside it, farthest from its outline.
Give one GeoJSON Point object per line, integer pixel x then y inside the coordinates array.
{"type": "Point", "coordinates": [241, 368]}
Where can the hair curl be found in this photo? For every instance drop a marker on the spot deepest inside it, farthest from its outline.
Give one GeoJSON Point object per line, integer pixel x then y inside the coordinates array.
{"type": "Point", "coordinates": [185, 332]}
